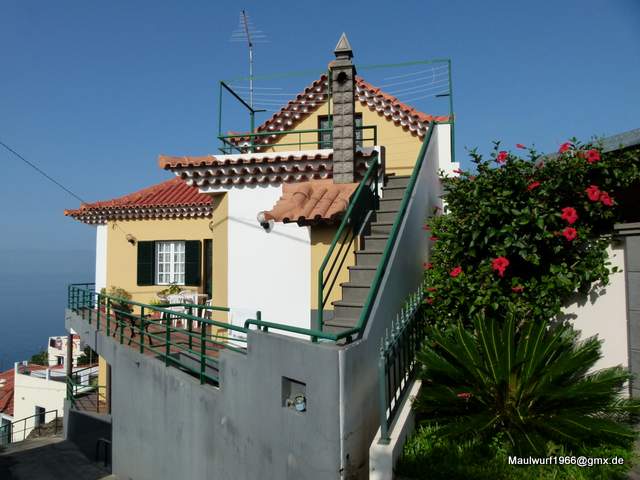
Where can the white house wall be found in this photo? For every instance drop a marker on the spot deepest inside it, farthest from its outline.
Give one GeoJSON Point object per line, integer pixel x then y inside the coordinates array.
{"type": "Point", "coordinates": [605, 314]}
{"type": "Point", "coordinates": [101, 257]}
{"type": "Point", "coordinates": [269, 272]}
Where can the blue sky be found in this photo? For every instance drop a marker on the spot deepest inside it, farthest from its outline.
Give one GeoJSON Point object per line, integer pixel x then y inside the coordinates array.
{"type": "Point", "coordinates": [93, 92]}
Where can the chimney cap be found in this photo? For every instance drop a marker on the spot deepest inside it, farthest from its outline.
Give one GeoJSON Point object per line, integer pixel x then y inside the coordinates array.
{"type": "Point", "coordinates": [343, 48]}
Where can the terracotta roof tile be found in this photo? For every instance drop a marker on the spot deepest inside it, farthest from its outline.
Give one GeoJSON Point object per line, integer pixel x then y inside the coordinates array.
{"type": "Point", "coordinates": [7, 379]}
{"type": "Point", "coordinates": [311, 202]}
{"type": "Point", "coordinates": [170, 199]}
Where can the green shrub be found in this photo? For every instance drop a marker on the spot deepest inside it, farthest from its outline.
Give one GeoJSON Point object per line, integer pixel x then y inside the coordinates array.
{"type": "Point", "coordinates": [428, 455]}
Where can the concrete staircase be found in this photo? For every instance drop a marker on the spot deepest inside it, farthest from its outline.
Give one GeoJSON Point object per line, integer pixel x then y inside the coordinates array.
{"type": "Point", "coordinates": [354, 292]}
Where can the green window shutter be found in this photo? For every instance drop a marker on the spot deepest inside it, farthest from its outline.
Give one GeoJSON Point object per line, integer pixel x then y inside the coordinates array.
{"type": "Point", "coordinates": [146, 263]}
{"type": "Point", "coordinates": [192, 267]}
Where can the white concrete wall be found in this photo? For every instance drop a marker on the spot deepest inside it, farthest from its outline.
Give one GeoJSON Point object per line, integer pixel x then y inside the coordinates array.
{"type": "Point", "coordinates": [604, 313]}
{"type": "Point", "coordinates": [31, 391]}
{"type": "Point", "coordinates": [269, 272]}
{"type": "Point", "coordinates": [101, 257]}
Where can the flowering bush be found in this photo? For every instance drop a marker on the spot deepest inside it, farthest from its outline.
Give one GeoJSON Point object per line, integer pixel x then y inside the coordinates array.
{"type": "Point", "coordinates": [525, 232]}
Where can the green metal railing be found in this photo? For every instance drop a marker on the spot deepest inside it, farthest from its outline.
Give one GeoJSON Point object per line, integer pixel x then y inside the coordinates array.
{"type": "Point", "coordinates": [365, 200]}
{"type": "Point", "coordinates": [84, 393]}
{"type": "Point", "coordinates": [236, 142]}
{"type": "Point", "coordinates": [9, 431]}
{"type": "Point", "coordinates": [397, 366]}
{"type": "Point", "coordinates": [382, 266]}
{"type": "Point", "coordinates": [193, 348]}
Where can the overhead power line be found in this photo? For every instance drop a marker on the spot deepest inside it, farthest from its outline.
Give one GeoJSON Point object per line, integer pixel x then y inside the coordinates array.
{"type": "Point", "coordinates": [42, 172]}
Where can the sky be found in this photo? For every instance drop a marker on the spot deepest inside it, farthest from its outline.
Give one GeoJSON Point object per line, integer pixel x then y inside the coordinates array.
{"type": "Point", "coordinates": [93, 92]}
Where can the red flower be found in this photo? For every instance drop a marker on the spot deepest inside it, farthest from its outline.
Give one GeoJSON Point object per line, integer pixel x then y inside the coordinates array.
{"type": "Point", "coordinates": [458, 171]}
{"type": "Point", "coordinates": [570, 215]}
{"type": "Point", "coordinates": [605, 199]}
{"type": "Point", "coordinates": [593, 156]}
{"type": "Point", "coordinates": [456, 271]}
{"type": "Point", "coordinates": [520, 145]}
{"type": "Point", "coordinates": [429, 300]}
{"type": "Point", "coordinates": [500, 264]}
{"type": "Point", "coordinates": [431, 289]}
{"type": "Point", "coordinates": [433, 238]}
{"type": "Point", "coordinates": [502, 156]}
{"type": "Point", "coordinates": [593, 192]}
{"type": "Point", "coordinates": [570, 233]}
{"type": "Point", "coordinates": [428, 266]}
{"type": "Point", "coordinates": [426, 227]}
{"type": "Point", "coordinates": [564, 147]}
{"type": "Point", "coordinates": [533, 185]}
{"type": "Point", "coordinates": [517, 289]}
{"type": "Point", "coordinates": [464, 395]}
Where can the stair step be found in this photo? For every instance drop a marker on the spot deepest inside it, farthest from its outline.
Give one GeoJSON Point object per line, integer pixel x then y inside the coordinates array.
{"type": "Point", "coordinates": [375, 242]}
{"type": "Point", "coordinates": [344, 309]}
{"type": "Point", "coordinates": [390, 203]}
{"type": "Point", "coordinates": [393, 193]}
{"type": "Point", "coordinates": [355, 292]}
{"type": "Point", "coordinates": [342, 322]}
{"type": "Point", "coordinates": [368, 257]}
{"type": "Point", "coordinates": [381, 228]}
{"type": "Point", "coordinates": [398, 181]}
{"type": "Point", "coordinates": [386, 215]}
{"type": "Point", "coordinates": [361, 273]}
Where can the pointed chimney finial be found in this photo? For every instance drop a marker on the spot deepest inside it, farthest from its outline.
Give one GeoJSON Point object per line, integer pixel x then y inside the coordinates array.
{"type": "Point", "coordinates": [343, 48]}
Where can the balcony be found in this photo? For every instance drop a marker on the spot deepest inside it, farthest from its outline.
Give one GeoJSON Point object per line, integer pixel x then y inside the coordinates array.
{"type": "Point", "coordinates": [184, 336]}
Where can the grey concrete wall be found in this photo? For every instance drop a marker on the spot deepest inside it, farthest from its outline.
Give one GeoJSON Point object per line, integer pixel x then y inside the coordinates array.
{"type": "Point", "coordinates": [84, 430]}
{"type": "Point", "coordinates": [168, 426]}
{"type": "Point", "coordinates": [630, 232]}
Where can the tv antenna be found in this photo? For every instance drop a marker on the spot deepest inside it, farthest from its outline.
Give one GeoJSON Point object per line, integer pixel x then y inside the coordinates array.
{"type": "Point", "coordinates": [248, 33]}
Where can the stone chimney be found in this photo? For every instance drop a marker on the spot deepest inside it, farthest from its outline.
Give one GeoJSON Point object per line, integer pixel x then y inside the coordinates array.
{"type": "Point", "coordinates": [343, 91]}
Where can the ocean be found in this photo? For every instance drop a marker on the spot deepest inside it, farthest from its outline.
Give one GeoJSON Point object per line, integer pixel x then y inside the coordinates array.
{"type": "Point", "coordinates": [33, 296]}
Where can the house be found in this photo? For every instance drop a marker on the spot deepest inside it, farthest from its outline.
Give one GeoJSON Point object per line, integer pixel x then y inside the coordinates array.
{"type": "Point", "coordinates": [6, 403]}
{"type": "Point", "coordinates": [313, 254]}
{"type": "Point", "coordinates": [57, 350]}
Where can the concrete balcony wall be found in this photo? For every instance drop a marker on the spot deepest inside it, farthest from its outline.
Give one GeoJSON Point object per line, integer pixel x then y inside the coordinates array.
{"type": "Point", "coordinates": [165, 425]}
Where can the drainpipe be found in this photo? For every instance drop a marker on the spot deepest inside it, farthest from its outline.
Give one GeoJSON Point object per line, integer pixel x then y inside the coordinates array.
{"type": "Point", "coordinates": [343, 86]}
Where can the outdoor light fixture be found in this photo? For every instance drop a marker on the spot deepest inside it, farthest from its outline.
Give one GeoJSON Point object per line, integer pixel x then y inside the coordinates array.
{"type": "Point", "coordinates": [131, 239]}
{"type": "Point", "coordinates": [266, 223]}
{"type": "Point", "coordinates": [300, 403]}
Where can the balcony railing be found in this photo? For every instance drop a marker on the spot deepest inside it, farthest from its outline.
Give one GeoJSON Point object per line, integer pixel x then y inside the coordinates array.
{"type": "Point", "coordinates": [193, 346]}
{"type": "Point", "coordinates": [366, 136]}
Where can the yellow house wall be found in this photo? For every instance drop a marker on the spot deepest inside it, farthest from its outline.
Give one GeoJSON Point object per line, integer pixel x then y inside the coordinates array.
{"type": "Point", "coordinates": [122, 255]}
{"type": "Point", "coordinates": [321, 238]}
{"type": "Point", "coordinates": [401, 147]}
{"type": "Point", "coordinates": [102, 372]}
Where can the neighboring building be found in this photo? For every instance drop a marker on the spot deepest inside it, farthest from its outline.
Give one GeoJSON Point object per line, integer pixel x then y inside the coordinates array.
{"type": "Point", "coordinates": [6, 404]}
{"type": "Point", "coordinates": [57, 350]}
{"type": "Point", "coordinates": [296, 399]}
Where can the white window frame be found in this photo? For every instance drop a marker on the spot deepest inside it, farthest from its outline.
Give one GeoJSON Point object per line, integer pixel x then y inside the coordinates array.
{"type": "Point", "coordinates": [170, 255]}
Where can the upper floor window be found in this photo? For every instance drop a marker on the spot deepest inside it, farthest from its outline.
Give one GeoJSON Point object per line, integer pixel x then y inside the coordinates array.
{"type": "Point", "coordinates": [324, 138]}
{"type": "Point", "coordinates": [170, 258]}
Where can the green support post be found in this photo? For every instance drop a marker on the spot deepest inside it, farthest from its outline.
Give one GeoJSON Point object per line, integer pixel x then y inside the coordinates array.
{"type": "Point", "coordinates": [108, 312]}
{"type": "Point", "coordinates": [203, 352]}
{"type": "Point", "coordinates": [142, 325]}
{"type": "Point", "coordinates": [98, 311]}
{"type": "Point", "coordinates": [190, 327]}
{"type": "Point", "coordinates": [167, 332]}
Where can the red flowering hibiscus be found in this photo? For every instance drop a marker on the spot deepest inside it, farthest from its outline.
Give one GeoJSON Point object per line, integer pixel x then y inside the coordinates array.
{"type": "Point", "coordinates": [502, 156]}
{"type": "Point", "coordinates": [520, 145]}
{"type": "Point", "coordinates": [428, 266]}
{"type": "Point", "coordinates": [517, 289]}
{"type": "Point", "coordinates": [570, 215]}
{"type": "Point", "coordinates": [592, 156]}
{"type": "Point", "coordinates": [533, 185]}
{"type": "Point", "coordinates": [426, 227]}
{"type": "Point", "coordinates": [431, 289]}
{"type": "Point", "coordinates": [464, 395]}
{"type": "Point", "coordinates": [564, 147]}
{"type": "Point", "coordinates": [433, 238]}
{"type": "Point", "coordinates": [500, 264]}
{"type": "Point", "coordinates": [456, 271]}
{"type": "Point", "coordinates": [570, 233]}
{"type": "Point", "coordinates": [605, 199]}
{"type": "Point", "coordinates": [593, 192]}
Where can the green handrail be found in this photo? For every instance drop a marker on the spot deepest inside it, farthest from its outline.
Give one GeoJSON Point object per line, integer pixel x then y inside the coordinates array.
{"type": "Point", "coordinates": [346, 220]}
{"type": "Point", "coordinates": [315, 334]}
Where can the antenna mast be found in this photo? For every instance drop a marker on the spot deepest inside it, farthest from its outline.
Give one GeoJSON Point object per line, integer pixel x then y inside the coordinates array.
{"type": "Point", "coordinates": [247, 32]}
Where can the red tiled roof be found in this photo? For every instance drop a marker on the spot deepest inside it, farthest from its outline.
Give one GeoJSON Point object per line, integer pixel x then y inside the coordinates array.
{"type": "Point", "coordinates": [6, 391]}
{"type": "Point", "coordinates": [170, 199]}
{"type": "Point", "coordinates": [251, 168]}
{"type": "Point", "coordinates": [311, 202]}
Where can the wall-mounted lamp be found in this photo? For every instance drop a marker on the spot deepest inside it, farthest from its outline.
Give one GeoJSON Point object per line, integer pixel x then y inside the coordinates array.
{"type": "Point", "coordinates": [131, 239]}
{"type": "Point", "coordinates": [265, 221]}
